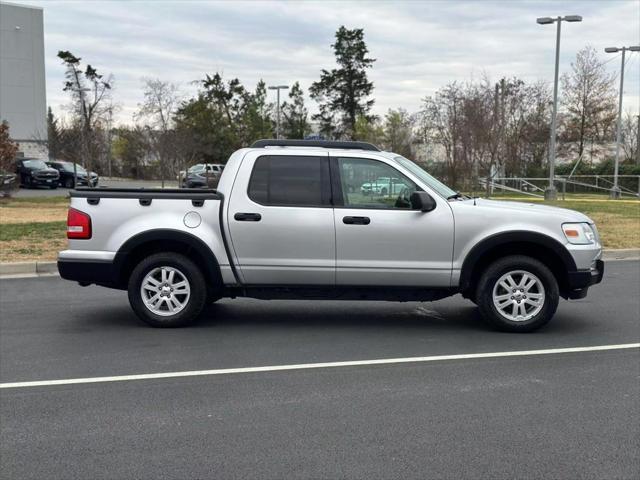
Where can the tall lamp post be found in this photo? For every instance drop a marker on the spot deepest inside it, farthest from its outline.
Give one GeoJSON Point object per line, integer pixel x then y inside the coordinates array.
{"type": "Point", "coordinates": [551, 193]}
{"type": "Point", "coordinates": [277, 88]}
{"type": "Point", "coordinates": [615, 190]}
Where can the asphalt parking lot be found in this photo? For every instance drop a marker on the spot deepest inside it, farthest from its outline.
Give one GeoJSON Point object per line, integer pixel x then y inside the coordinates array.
{"type": "Point", "coordinates": [557, 415]}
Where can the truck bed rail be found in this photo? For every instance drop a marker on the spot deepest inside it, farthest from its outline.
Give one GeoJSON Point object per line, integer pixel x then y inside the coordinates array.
{"type": "Point", "coordinates": [148, 193]}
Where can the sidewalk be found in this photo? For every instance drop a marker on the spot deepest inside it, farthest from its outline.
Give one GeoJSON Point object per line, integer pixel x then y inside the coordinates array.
{"type": "Point", "coordinates": [40, 269]}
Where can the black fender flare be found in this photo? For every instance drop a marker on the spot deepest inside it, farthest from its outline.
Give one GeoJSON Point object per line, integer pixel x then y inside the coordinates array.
{"type": "Point", "coordinates": [210, 264]}
{"type": "Point", "coordinates": [505, 238]}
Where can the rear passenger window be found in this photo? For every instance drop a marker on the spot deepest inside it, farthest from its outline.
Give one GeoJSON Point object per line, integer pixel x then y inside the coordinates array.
{"type": "Point", "coordinates": [290, 181]}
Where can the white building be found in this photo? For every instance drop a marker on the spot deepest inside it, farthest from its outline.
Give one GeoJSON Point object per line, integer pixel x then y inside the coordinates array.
{"type": "Point", "coordinates": [23, 99]}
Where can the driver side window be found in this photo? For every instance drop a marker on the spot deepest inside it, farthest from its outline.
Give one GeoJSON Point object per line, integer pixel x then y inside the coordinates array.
{"type": "Point", "coordinates": [372, 184]}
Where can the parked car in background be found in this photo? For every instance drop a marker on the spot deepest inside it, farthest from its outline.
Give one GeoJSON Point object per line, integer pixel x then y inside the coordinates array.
{"type": "Point", "coordinates": [383, 186]}
{"type": "Point", "coordinates": [7, 184]}
{"type": "Point", "coordinates": [34, 172]}
{"type": "Point", "coordinates": [203, 175]}
{"type": "Point", "coordinates": [65, 169]}
{"type": "Point", "coordinates": [182, 175]}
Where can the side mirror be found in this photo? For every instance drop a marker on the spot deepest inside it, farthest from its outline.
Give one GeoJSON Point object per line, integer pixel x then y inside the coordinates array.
{"type": "Point", "coordinates": [422, 201]}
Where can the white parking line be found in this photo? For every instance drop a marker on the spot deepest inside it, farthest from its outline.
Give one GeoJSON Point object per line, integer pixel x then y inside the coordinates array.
{"type": "Point", "coordinates": [306, 366]}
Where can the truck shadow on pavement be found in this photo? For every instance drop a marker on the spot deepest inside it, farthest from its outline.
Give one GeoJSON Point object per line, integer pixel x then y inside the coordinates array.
{"type": "Point", "coordinates": [367, 315]}
{"type": "Point", "coordinates": [230, 314]}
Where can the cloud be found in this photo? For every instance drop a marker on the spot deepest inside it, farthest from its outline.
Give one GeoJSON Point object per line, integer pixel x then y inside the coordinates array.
{"type": "Point", "coordinates": [419, 46]}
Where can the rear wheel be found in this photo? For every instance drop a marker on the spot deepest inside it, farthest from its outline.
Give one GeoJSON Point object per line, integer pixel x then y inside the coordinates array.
{"type": "Point", "coordinates": [167, 290]}
{"type": "Point", "coordinates": [517, 294]}
{"type": "Point", "coordinates": [68, 183]}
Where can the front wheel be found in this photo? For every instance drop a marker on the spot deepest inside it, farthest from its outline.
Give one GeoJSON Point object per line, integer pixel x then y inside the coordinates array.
{"type": "Point", "coordinates": [517, 294]}
{"type": "Point", "coordinates": [167, 290]}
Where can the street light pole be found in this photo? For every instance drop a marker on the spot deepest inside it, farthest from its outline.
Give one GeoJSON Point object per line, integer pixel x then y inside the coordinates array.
{"type": "Point", "coordinates": [551, 193]}
{"type": "Point", "coordinates": [638, 141]}
{"type": "Point", "coordinates": [277, 88]}
{"type": "Point", "coordinates": [615, 190]}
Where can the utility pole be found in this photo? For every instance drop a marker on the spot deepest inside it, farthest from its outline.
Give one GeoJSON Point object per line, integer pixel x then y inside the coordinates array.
{"type": "Point", "coordinates": [615, 190]}
{"type": "Point", "coordinates": [109, 139]}
{"type": "Point", "coordinates": [638, 141]}
{"type": "Point", "coordinates": [551, 193]}
{"type": "Point", "coordinates": [277, 88]}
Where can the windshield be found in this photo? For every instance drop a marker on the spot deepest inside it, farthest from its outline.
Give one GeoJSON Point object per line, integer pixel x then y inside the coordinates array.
{"type": "Point", "coordinates": [68, 167]}
{"type": "Point", "coordinates": [437, 185]}
{"type": "Point", "coordinates": [37, 164]}
{"type": "Point", "coordinates": [196, 168]}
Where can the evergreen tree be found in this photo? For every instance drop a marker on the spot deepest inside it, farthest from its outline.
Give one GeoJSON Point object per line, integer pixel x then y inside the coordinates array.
{"type": "Point", "coordinates": [342, 93]}
{"type": "Point", "coordinates": [295, 114]}
{"type": "Point", "coordinates": [54, 136]}
{"type": "Point", "coordinates": [257, 121]}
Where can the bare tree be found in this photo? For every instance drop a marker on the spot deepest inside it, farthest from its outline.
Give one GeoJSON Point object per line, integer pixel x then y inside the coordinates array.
{"type": "Point", "coordinates": [8, 151]}
{"type": "Point", "coordinates": [398, 132]}
{"type": "Point", "coordinates": [157, 112]}
{"type": "Point", "coordinates": [630, 132]}
{"type": "Point", "coordinates": [441, 125]}
{"type": "Point", "coordinates": [487, 129]}
{"type": "Point", "coordinates": [90, 104]}
{"type": "Point", "coordinates": [589, 101]}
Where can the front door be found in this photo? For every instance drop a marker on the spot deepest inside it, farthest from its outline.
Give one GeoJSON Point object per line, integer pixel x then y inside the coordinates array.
{"type": "Point", "coordinates": [281, 220]}
{"type": "Point", "coordinates": [380, 240]}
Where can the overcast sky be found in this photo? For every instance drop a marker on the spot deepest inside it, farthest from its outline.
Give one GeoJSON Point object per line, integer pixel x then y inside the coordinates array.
{"type": "Point", "coordinates": [419, 45]}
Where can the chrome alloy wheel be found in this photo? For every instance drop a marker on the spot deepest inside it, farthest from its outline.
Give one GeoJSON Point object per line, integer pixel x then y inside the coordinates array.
{"type": "Point", "coordinates": [518, 295]}
{"type": "Point", "coordinates": [165, 291]}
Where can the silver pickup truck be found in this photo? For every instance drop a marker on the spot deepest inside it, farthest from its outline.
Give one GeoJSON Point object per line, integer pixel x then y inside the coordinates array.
{"type": "Point", "coordinates": [290, 220]}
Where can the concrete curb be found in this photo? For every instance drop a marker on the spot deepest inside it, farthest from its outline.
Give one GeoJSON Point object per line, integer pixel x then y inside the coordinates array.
{"type": "Point", "coordinates": [621, 254]}
{"type": "Point", "coordinates": [39, 269]}
{"type": "Point", "coordinates": [28, 269]}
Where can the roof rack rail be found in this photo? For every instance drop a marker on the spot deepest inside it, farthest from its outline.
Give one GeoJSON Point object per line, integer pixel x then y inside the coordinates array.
{"type": "Point", "coordinates": [316, 143]}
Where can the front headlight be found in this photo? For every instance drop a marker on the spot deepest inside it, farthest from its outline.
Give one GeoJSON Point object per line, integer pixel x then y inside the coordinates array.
{"type": "Point", "coordinates": [579, 233]}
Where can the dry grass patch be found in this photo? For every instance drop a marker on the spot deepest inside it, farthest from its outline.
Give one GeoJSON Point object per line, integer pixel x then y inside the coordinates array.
{"type": "Point", "coordinates": [31, 214]}
{"type": "Point", "coordinates": [32, 241]}
{"type": "Point", "coordinates": [32, 228]}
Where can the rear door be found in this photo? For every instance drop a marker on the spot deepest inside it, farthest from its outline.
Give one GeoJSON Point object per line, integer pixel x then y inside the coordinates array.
{"type": "Point", "coordinates": [281, 219]}
{"type": "Point", "coordinates": [380, 240]}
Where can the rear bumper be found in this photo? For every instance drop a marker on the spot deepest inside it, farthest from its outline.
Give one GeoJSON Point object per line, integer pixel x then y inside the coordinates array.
{"type": "Point", "coordinates": [87, 272]}
{"type": "Point", "coordinates": [580, 280]}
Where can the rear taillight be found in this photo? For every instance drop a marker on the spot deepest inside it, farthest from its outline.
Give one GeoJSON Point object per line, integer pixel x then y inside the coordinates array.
{"type": "Point", "coordinates": [78, 224]}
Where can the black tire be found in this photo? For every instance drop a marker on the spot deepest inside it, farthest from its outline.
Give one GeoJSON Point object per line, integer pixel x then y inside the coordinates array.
{"type": "Point", "coordinates": [383, 192]}
{"type": "Point", "coordinates": [53, 187]}
{"type": "Point", "coordinates": [197, 297]}
{"type": "Point", "coordinates": [68, 183]}
{"type": "Point", "coordinates": [484, 293]}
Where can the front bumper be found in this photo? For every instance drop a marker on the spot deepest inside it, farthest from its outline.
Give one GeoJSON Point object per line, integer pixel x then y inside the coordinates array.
{"type": "Point", "coordinates": [83, 181]}
{"type": "Point", "coordinates": [580, 280]}
{"type": "Point", "coordinates": [44, 181]}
